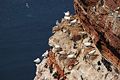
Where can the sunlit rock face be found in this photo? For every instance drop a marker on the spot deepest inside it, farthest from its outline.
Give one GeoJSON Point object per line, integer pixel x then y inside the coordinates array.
{"type": "Point", "coordinates": [78, 48]}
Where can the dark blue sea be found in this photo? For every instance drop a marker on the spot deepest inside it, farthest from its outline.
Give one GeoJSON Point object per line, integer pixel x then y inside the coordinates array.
{"type": "Point", "coordinates": [25, 26]}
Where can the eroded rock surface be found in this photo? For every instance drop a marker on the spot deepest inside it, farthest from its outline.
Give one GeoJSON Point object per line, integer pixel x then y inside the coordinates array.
{"type": "Point", "coordinates": [78, 50]}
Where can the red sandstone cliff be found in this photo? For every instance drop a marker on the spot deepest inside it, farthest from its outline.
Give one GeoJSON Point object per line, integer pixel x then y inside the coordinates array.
{"type": "Point", "coordinates": [84, 46]}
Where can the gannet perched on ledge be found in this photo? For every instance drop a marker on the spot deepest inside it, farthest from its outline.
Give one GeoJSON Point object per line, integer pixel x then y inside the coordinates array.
{"type": "Point", "coordinates": [57, 22]}
{"type": "Point", "coordinates": [45, 54]}
{"type": "Point", "coordinates": [37, 61]}
{"type": "Point", "coordinates": [71, 56]}
{"type": "Point", "coordinates": [67, 17]}
{"type": "Point", "coordinates": [67, 13]}
{"type": "Point", "coordinates": [73, 21]}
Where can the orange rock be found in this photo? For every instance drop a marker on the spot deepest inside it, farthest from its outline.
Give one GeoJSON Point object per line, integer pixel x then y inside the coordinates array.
{"type": "Point", "coordinates": [52, 60]}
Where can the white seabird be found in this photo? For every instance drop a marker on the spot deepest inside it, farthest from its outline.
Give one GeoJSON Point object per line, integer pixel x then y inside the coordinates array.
{"type": "Point", "coordinates": [55, 70]}
{"type": "Point", "coordinates": [37, 60]}
{"type": "Point", "coordinates": [93, 51]}
{"type": "Point", "coordinates": [70, 56]}
{"type": "Point", "coordinates": [118, 7]}
{"type": "Point", "coordinates": [45, 54]}
{"type": "Point", "coordinates": [67, 17]}
{"type": "Point", "coordinates": [57, 46]}
{"type": "Point", "coordinates": [86, 39]}
{"type": "Point", "coordinates": [87, 44]}
{"type": "Point", "coordinates": [64, 30]}
{"type": "Point", "coordinates": [116, 12]}
{"type": "Point", "coordinates": [73, 21]}
{"type": "Point", "coordinates": [27, 5]}
{"type": "Point", "coordinates": [61, 52]}
{"type": "Point", "coordinates": [62, 20]}
{"type": "Point", "coordinates": [57, 22]}
{"type": "Point", "coordinates": [67, 13]}
{"type": "Point", "coordinates": [54, 50]}
{"type": "Point", "coordinates": [83, 32]}
{"type": "Point", "coordinates": [55, 26]}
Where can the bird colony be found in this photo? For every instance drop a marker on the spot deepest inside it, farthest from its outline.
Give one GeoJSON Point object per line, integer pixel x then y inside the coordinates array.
{"type": "Point", "coordinates": [73, 55]}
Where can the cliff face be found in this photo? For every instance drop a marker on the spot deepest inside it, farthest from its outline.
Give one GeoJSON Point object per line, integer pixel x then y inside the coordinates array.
{"type": "Point", "coordinates": [84, 46]}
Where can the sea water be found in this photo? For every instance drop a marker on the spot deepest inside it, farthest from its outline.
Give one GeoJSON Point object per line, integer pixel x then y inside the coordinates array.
{"type": "Point", "coordinates": [25, 27]}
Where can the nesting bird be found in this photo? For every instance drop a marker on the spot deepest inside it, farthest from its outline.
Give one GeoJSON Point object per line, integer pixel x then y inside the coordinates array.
{"type": "Point", "coordinates": [87, 44]}
{"type": "Point", "coordinates": [73, 21]}
{"type": "Point", "coordinates": [70, 56]}
{"type": "Point", "coordinates": [62, 20]}
{"type": "Point", "coordinates": [64, 30]}
{"type": "Point", "coordinates": [83, 32]}
{"type": "Point", "coordinates": [57, 22]}
{"type": "Point", "coordinates": [57, 46]}
{"type": "Point", "coordinates": [61, 52]}
{"type": "Point", "coordinates": [67, 15]}
{"type": "Point", "coordinates": [45, 54]}
{"type": "Point", "coordinates": [93, 51]}
{"type": "Point", "coordinates": [86, 39]}
{"type": "Point", "coordinates": [54, 50]}
{"type": "Point", "coordinates": [37, 61]}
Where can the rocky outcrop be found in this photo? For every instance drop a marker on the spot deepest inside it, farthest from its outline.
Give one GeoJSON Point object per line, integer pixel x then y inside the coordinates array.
{"type": "Point", "coordinates": [102, 22]}
{"type": "Point", "coordinates": [84, 46]}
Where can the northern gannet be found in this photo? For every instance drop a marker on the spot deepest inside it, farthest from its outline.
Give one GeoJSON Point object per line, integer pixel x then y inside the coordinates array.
{"type": "Point", "coordinates": [57, 46]}
{"type": "Point", "coordinates": [45, 54]}
{"type": "Point", "coordinates": [87, 44]}
{"type": "Point", "coordinates": [67, 13]}
{"type": "Point", "coordinates": [27, 5]}
{"type": "Point", "coordinates": [93, 51]}
{"type": "Point", "coordinates": [73, 21]}
{"type": "Point", "coordinates": [37, 60]}
{"type": "Point", "coordinates": [70, 56]}
{"type": "Point", "coordinates": [67, 17]}
{"type": "Point", "coordinates": [86, 39]}
{"type": "Point", "coordinates": [57, 22]}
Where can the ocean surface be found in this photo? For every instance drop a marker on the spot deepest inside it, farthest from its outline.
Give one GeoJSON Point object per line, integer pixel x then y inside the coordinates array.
{"type": "Point", "coordinates": [25, 26]}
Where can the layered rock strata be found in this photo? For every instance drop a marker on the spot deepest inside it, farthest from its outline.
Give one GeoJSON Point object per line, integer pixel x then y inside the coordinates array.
{"type": "Point", "coordinates": [84, 46]}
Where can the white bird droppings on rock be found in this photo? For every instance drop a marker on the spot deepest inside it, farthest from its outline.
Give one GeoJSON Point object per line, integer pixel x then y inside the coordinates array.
{"type": "Point", "coordinates": [74, 60]}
